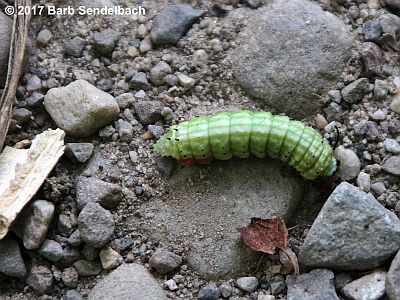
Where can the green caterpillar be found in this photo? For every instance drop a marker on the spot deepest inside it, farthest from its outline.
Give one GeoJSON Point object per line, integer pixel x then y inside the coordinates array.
{"type": "Point", "coordinates": [239, 134]}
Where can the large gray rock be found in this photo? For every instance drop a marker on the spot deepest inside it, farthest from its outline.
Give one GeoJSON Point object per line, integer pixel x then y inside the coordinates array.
{"type": "Point", "coordinates": [173, 22]}
{"type": "Point", "coordinates": [5, 37]}
{"type": "Point", "coordinates": [352, 232]}
{"type": "Point", "coordinates": [80, 108]}
{"type": "Point", "coordinates": [393, 279]}
{"type": "Point", "coordinates": [208, 203]}
{"type": "Point", "coordinates": [316, 285]}
{"type": "Point", "coordinates": [291, 52]}
{"type": "Point", "coordinates": [129, 282]}
{"type": "Point", "coordinates": [11, 262]}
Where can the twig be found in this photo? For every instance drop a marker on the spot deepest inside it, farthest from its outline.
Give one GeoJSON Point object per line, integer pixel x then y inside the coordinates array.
{"type": "Point", "coordinates": [17, 52]}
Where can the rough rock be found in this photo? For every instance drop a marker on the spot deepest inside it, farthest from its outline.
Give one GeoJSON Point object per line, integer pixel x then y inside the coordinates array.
{"type": "Point", "coordinates": [87, 267]}
{"type": "Point", "coordinates": [125, 130]}
{"type": "Point", "coordinates": [350, 164]}
{"type": "Point", "coordinates": [315, 285]}
{"type": "Point", "coordinates": [34, 83]}
{"type": "Point", "coordinates": [125, 100]}
{"type": "Point", "coordinates": [149, 112]}
{"type": "Point", "coordinates": [373, 60]}
{"type": "Point", "coordinates": [392, 165]}
{"type": "Point", "coordinates": [380, 89]}
{"type": "Point", "coordinates": [355, 91]}
{"type": "Point", "coordinates": [5, 34]}
{"type": "Point", "coordinates": [70, 277]}
{"type": "Point", "coordinates": [364, 181]}
{"type": "Point", "coordinates": [35, 223]}
{"type": "Point", "coordinates": [172, 23]}
{"type": "Point", "coordinates": [352, 232]}
{"type": "Point", "coordinates": [248, 284]}
{"type": "Point", "coordinates": [130, 282]}
{"type": "Point", "coordinates": [308, 65]}
{"type": "Point", "coordinates": [139, 81]}
{"type": "Point", "coordinates": [95, 224]}
{"type": "Point", "coordinates": [79, 152]}
{"type": "Point", "coordinates": [90, 189]}
{"type": "Point", "coordinates": [200, 195]}
{"type": "Point", "coordinates": [105, 41]}
{"type": "Point", "coordinates": [372, 31]}
{"type": "Point", "coordinates": [86, 110]}
{"type": "Point", "coordinates": [11, 262]}
{"type": "Point", "coordinates": [73, 295]}
{"type": "Point", "coordinates": [75, 47]}
{"type": "Point", "coordinates": [371, 287]}
{"type": "Point", "coordinates": [393, 279]}
{"type": "Point", "coordinates": [41, 279]}
{"type": "Point", "coordinates": [159, 71]}
{"type": "Point", "coordinates": [164, 261]}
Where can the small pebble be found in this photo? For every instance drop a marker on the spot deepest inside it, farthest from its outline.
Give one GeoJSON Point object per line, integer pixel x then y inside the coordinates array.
{"type": "Point", "coordinates": [248, 284]}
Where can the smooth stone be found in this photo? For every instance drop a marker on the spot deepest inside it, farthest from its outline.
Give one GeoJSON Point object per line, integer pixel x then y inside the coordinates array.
{"type": "Point", "coordinates": [110, 259]}
{"type": "Point", "coordinates": [129, 282]}
{"type": "Point", "coordinates": [87, 109]}
{"type": "Point", "coordinates": [35, 223]}
{"type": "Point", "coordinates": [51, 250]}
{"type": "Point", "coordinates": [200, 195]}
{"type": "Point", "coordinates": [350, 164]}
{"type": "Point", "coordinates": [368, 287]}
{"type": "Point", "coordinates": [395, 105]}
{"type": "Point", "coordinates": [248, 284]}
{"type": "Point", "coordinates": [350, 222]}
{"type": "Point", "coordinates": [392, 146]}
{"type": "Point", "coordinates": [290, 80]}
{"type": "Point", "coordinates": [315, 285]}
{"type": "Point", "coordinates": [164, 261]}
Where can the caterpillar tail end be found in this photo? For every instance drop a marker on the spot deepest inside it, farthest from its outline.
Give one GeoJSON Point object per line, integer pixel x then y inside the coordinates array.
{"type": "Point", "coordinates": [333, 168]}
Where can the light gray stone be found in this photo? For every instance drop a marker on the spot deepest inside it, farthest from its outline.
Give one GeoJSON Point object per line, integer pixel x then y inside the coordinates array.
{"type": "Point", "coordinates": [110, 259]}
{"type": "Point", "coordinates": [129, 282]}
{"type": "Point", "coordinates": [44, 36]}
{"type": "Point", "coordinates": [392, 165]}
{"type": "Point", "coordinates": [87, 109]}
{"type": "Point", "coordinates": [286, 58]}
{"type": "Point", "coordinates": [208, 203]}
{"type": "Point", "coordinates": [352, 232]}
{"type": "Point", "coordinates": [315, 285]}
{"type": "Point", "coordinates": [159, 71]}
{"type": "Point", "coordinates": [392, 146]}
{"type": "Point", "coordinates": [364, 181]}
{"type": "Point", "coordinates": [248, 284]}
{"type": "Point", "coordinates": [173, 22]}
{"type": "Point", "coordinates": [393, 279]}
{"type": "Point", "coordinates": [368, 287]}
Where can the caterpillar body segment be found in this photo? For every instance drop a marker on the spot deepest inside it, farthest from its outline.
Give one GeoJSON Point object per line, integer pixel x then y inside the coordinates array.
{"type": "Point", "coordinates": [244, 133]}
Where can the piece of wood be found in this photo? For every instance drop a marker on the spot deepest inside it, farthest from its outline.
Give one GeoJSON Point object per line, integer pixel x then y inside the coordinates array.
{"type": "Point", "coordinates": [23, 171]}
{"type": "Point", "coordinates": [16, 57]}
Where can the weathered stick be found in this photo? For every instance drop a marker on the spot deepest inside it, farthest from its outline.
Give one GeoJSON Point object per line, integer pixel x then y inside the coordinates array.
{"type": "Point", "coordinates": [16, 57]}
{"type": "Point", "coordinates": [23, 171]}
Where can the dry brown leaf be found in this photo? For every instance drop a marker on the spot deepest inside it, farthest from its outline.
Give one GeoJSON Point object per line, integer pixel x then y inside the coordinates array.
{"type": "Point", "coordinates": [265, 235]}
